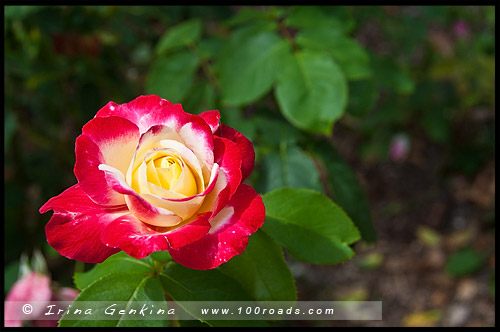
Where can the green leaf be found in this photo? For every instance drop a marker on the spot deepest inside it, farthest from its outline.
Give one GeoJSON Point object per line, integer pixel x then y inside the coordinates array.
{"type": "Point", "coordinates": [274, 132]}
{"type": "Point", "coordinates": [290, 167]}
{"type": "Point", "coordinates": [464, 262]}
{"type": "Point", "coordinates": [342, 14]}
{"type": "Point", "coordinates": [117, 264]}
{"type": "Point", "coordinates": [314, 16]}
{"type": "Point", "coordinates": [347, 52]}
{"type": "Point", "coordinates": [184, 284]}
{"type": "Point", "coordinates": [180, 35]}
{"type": "Point", "coordinates": [241, 36]}
{"type": "Point", "coordinates": [161, 256]}
{"type": "Point", "coordinates": [345, 188]}
{"type": "Point", "coordinates": [251, 68]}
{"type": "Point", "coordinates": [312, 91]}
{"type": "Point", "coordinates": [309, 225]}
{"type": "Point", "coordinates": [262, 271]}
{"type": "Point", "coordinates": [211, 47]}
{"type": "Point", "coordinates": [171, 76]}
{"type": "Point", "coordinates": [248, 15]}
{"type": "Point", "coordinates": [128, 287]}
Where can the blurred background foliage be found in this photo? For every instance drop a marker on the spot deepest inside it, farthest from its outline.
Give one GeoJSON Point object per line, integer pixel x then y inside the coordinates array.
{"type": "Point", "coordinates": [290, 78]}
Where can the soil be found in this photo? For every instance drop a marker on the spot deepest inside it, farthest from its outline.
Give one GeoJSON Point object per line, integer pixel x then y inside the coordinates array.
{"type": "Point", "coordinates": [407, 272]}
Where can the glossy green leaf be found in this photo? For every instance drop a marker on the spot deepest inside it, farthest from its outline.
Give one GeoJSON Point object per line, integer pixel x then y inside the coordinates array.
{"type": "Point", "coordinates": [126, 287]}
{"type": "Point", "coordinates": [180, 35]}
{"type": "Point", "coordinates": [184, 284]}
{"type": "Point", "coordinates": [312, 91]}
{"type": "Point", "coordinates": [309, 225]}
{"type": "Point", "coordinates": [171, 76]}
{"type": "Point", "coordinates": [262, 271]}
{"type": "Point", "coordinates": [345, 188]}
{"type": "Point", "coordinates": [347, 52]}
{"type": "Point", "coordinates": [251, 68]}
{"type": "Point", "coordinates": [118, 263]}
{"type": "Point", "coordinates": [289, 167]}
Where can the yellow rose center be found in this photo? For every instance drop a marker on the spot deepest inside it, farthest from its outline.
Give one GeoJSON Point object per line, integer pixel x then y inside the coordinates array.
{"type": "Point", "coordinates": [171, 172]}
{"type": "Point", "coordinates": [169, 176]}
{"type": "Point", "coordinates": [167, 171]}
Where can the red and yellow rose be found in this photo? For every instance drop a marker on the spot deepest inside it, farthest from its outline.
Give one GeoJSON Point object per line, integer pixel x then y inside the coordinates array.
{"type": "Point", "coordinates": [152, 177]}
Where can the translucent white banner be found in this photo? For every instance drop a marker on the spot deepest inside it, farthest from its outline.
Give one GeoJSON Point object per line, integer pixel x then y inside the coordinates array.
{"type": "Point", "coordinates": [193, 310]}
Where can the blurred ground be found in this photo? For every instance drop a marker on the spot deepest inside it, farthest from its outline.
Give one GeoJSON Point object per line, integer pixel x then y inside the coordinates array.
{"type": "Point", "coordinates": [422, 216]}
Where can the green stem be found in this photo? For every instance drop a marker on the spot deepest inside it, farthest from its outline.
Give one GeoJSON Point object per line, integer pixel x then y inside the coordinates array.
{"type": "Point", "coordinates": [286, 34]}
{"type": "Point", "coordinates": [79, 267]}
{"type": "Point", "coordinates": [158, 267]}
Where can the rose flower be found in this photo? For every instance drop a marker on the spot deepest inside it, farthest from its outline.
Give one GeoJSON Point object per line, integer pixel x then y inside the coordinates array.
{"type": "Point", "coordinates": [152, 177]}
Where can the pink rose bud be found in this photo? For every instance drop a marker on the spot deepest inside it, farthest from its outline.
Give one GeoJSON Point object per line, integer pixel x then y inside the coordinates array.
{"type": "Point", "coordinates": [66, 294]}
{"type": "Point", "coordinates": [32, 287]}
{"type": "Point", "coordinates": [399, 147]}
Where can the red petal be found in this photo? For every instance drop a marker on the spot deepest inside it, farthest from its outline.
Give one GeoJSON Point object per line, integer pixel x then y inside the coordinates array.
{"type": "Point", "coordinates": [135, 109]}
{"type": "Point", "coordinates": [75, 228]}
{"type": "Point", "coordinates": [227, 155]}
{"type": "Point", "coordinates": [229, 233]}
{"type": "Point", "coordinates": [150, 110]}
{"type": "Point", "coordinates": [139, 240]}
{"type": "Point", "coordinates": [111, 141]}
{"type": "Point", "coordinates": [212, 118]}
{"type": "Point", "coordinates": [245, 146]}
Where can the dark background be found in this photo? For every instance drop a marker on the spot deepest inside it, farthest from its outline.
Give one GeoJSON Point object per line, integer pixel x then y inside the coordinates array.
{"type": "Point", "coordinates": [432, 204]}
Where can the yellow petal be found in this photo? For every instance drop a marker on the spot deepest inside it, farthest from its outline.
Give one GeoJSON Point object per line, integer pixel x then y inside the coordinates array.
{"type": "Point", "coordinates": [186, 183]}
